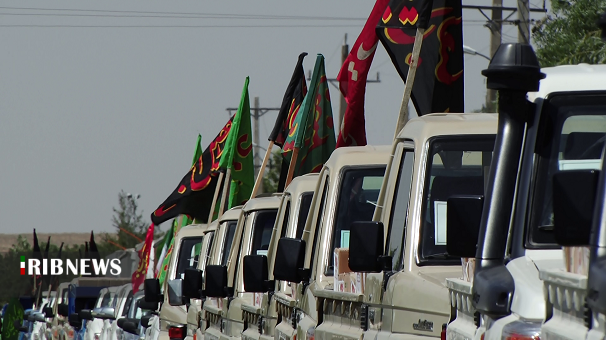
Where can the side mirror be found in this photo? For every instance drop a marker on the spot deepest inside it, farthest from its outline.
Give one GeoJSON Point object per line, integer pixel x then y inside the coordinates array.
{"type": "Point", "coordinates": [146, 320]}
{"type": "Point", "coordinates": [152, 290]}
{"type": "Point", "coordinates": [574, 194]}
{"type": "Point", "coordinates": [48, 311]}
{"type": "Point", "coordinates": [131, 326]}
{"type": "Point", "coordinates": [74, 321]}
{"type": "Point", "coordinates": [255, 274]}
{"type": "Point", "coordinates": [86, 314]}
{"type": "Point", "coordinates": [107, 313]}
{"type": "Point", "coordinates": [192, 283]}
{"type": "Point", "coordinates": [215, 282]}
{"type": "Point", "coordinates": [175, 292]}
{"type": "Point", "coordinates": [147, 305]}
{"type": "Point", "coordinates": [63, 309]}
{"type": "Point", "coordinates": [366, 247]}
{"type": "Point", "coordinates": [463, 217]}
{"type": "Point", "coordinates": [121, 322]}
{"type": "Point", "coordinates": [290, 260]}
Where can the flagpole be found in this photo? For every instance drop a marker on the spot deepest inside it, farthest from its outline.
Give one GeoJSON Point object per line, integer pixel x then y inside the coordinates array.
{"type": "Point", "coordinates": [291, 166]}
{"type": "Point", "coordinates": [222, 205]}
{"type": "Point", "coordinates": [262, 170]}
{"type": "Point", "coordinates": [410, 77]}
{"type": "Point", "coordinates": [216, 194]}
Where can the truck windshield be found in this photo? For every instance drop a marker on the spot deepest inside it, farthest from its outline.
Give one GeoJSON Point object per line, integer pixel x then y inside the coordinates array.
{"type": "Point", "coordinates": [456, 165]}
{"type": "Point", "coordinates": [356, 202]}
{"type": "Point", "coordinates": [188, 255]}
{"type": "Point", "coordinates": [229, 239]}
{"type": "Point", "coordinates": [262, 229]}
{"type": "Point", "coordinates": [571, 136]}
{"type": "Point", "coordinates": [303, 212]}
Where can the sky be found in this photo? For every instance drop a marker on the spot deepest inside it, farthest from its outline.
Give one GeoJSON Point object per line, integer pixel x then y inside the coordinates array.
{"type": "Point", "coordinates": [86, 112]}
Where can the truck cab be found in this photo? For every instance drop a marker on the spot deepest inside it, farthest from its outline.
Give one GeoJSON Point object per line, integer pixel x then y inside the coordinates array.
{"type": "Point", "coordinates": [347, 190]}
{"type": "Point", "coordinates": [253, 232]}
{"type": "Point", "coordinates": [261, 318]}
{"type": "Point", "coordinates": [555, 126]}
{"type": "Point", "coordinates": [404, 295]}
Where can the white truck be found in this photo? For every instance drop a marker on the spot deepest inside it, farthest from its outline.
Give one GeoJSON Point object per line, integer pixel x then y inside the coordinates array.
{"type": "Point", "coordinates": [261, 318]}
{"type": "Point", "coordinates": [554, 127]}
{"type": "Point", "coordinates": [224, 284]}
{"type": "Point", "coordinates": [433, 157]}
{"type": "Point", "coordinates": [347, 189]}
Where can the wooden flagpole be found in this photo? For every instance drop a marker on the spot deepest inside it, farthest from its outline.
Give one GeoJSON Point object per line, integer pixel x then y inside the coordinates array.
{"type": "Point", "coordinates": [217, 189]}
{"type": "Point", "coordinates": [224, 196]}
{"type": "Point", "coordinates": [262, 170]}
{"type": "Point", "coordinates": [410, 77]}
{"type": "Point", "coordinates": [291, 166]}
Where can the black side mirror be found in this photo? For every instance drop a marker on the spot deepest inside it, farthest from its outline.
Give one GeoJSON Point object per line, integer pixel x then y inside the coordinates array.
{"type": "Point", "coordinates": [145, 320]}
{"type": "Point", "coordinates": [192, 283]}
{"type": "Point", "coordinates": [463, 217]}
{"type": "Point", "coordinates": [366, 246]}
{"type": "Point", "coordinates": [63, 309]}
{"type": "Point", "coordinates": [574, 194]}
{"type": "Point", "coordinates": [175, 292]}
{"type": "Point", "coordinates": [152, 290]}
{"type": "Point", "coordinates": [255, 274]}
{"type": "Point", "coordinates": [216, 281]}
{"type": "Point", "coordinates": [147, 305]}
{"type": "Point", "coordinates": [85, 314]}
{"type": "Point", "coordinates": [48, 311]}
{"type": "Point", "coordinates": [290, 260]}
{"type": "Point", "coordinates": [121, 322]}
{"type": "Point", "coordinates": [74, 321]}
{"type": "Point", "coordinates": [131, 326]}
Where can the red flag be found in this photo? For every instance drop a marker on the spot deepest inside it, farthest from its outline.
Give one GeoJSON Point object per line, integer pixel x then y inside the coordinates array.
{"type": "Point", "coordinates": [139, 274]}
{"type": "Point", "coordinates": [352, 79]}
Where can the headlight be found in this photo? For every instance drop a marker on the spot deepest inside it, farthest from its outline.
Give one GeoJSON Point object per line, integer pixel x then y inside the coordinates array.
{"type": "Point", "coordinates": [522, 330]}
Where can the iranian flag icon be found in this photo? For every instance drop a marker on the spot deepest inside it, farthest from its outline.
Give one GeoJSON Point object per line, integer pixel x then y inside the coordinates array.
{"type": "Point", "coordinates": [22, 265]}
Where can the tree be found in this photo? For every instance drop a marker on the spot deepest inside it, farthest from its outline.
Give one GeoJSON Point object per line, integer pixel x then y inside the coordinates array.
{"type": "Point", "coordinates": [571, 34]}
{"type": "Point", "coordinates": [272, 172]}
{"type": "Point", "coordinates": [129, 224]}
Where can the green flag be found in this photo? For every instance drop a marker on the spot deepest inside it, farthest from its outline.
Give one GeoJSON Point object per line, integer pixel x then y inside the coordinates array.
{"type": "Point", "coordinates": [237, 155]}
{"type": "Point", "coordinates": [313, 130]}
{"type": "Point", "coordinates": [14, 312]}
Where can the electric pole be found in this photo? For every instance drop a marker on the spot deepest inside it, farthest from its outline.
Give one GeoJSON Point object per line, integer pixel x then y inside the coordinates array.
{"type": "Point", "coordinates": [257, 150]}
{"type": "Point", "coordinates": [495, 25]}
{"type": "Point", "coordinates": [523, 22]}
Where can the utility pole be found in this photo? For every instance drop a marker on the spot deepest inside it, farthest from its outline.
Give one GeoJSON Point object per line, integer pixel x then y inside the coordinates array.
{"type": "Point", "coordinates": [495, 26]}
{"type": "Point", "coordinates": [257, 150]}
{"type": "Point", "coordinates": [342, 102]}
{"type": "Point", "coordinates": [523, 22]}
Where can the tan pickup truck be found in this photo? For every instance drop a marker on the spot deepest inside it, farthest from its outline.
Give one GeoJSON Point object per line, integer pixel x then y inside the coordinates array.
{"type": "Point", "coordinates": [223, 316]}
{"type": "Point", "coordinates": [403, 294]}
{"type": "Point", "coordinates": [347, 190]}
{"type": "Point", "coordinates": [260, 318]}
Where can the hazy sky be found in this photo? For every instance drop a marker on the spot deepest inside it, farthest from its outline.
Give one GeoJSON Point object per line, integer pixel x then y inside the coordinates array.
{"type": "Point", "coordinates": [88, 111]}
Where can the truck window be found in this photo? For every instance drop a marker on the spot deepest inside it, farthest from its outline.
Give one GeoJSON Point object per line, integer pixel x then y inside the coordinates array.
{"type": "Point", "coordinates": [211, 237]}
{"type": "Point", "coordinates": [397, 220]}
{"type": "Point", "coordinates": [106, 300]}
{"type": "Point", "coordinates": [127, 304]}
{"type": "Point", "coordinates": [303, 212]}
{"type": "Point", "coordinates": [456, 165]}
{"type": "Point", "coordinates": [187, 256]}
{"type": "Point", "coordinates": [319, 220]}
{"type": "Point", "coordinates": [286, 218]}
{"type": "Point", "coordinates": [262, 229]}
{"type": "Point", "coordinates": [229, 239]}
{"type": "Point", "coordinates": [356, 202]}
{"type": "Point", "coordinates": [572, 133]}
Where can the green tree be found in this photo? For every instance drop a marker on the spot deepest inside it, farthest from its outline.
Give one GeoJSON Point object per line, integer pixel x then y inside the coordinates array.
{"type": "Point", "coordinates": [128, 221]}
{"type": "Point", "coordinates": [570, 35]}
{"type": "Point", "coordinates": [272, 172]}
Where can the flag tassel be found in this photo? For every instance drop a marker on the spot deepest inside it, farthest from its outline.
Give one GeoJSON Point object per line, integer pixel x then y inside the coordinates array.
{"type": "Point", "coordinates": [224, 195]}
{"type": "Point", "coordinates": [410, 78]}
{"type": "Point", "coordinates": [262, 170]}
{"type": "Point", "coordinates": [291, 166]}
{"type": "Point", "coordinates": [215, 196]}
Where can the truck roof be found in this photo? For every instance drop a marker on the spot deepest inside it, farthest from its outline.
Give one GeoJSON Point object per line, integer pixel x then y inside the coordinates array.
{"type": "Point", "coordinates": [566, 78]}
{"type": "Point", "coordinates": [358, 155]}
{"type": "Point", "coordinates": [441, 124]}
{"type": "Point", "coordinates": [302, 183]}
{"type": "Point", "coordinates": [194, 230]}
{"type": "Point", "coordinates": [231, 214]}
{"type": "Point", "coordinates": [260, 203]}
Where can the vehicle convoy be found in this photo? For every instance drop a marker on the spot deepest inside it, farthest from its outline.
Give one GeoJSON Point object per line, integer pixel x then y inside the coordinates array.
{"type": "Point", "coordinates": [260, 318]}
{"type": "Point", "coordinates": [60, 311]}
{"type": "Point", "coordinates": [223, 315]}
{"type": "Point", "coordinates": [132, 326]}
{"type": "Point", "coordinates": [347, 189]}
{"type": "Point", "coordinates": [433, 157]}
{"type": "Point", "coordinates": [102, 312]}
{"type": "Point", "coordinates": [553, 128]}
{"type": "Point", "coordinates": [185, 254]}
